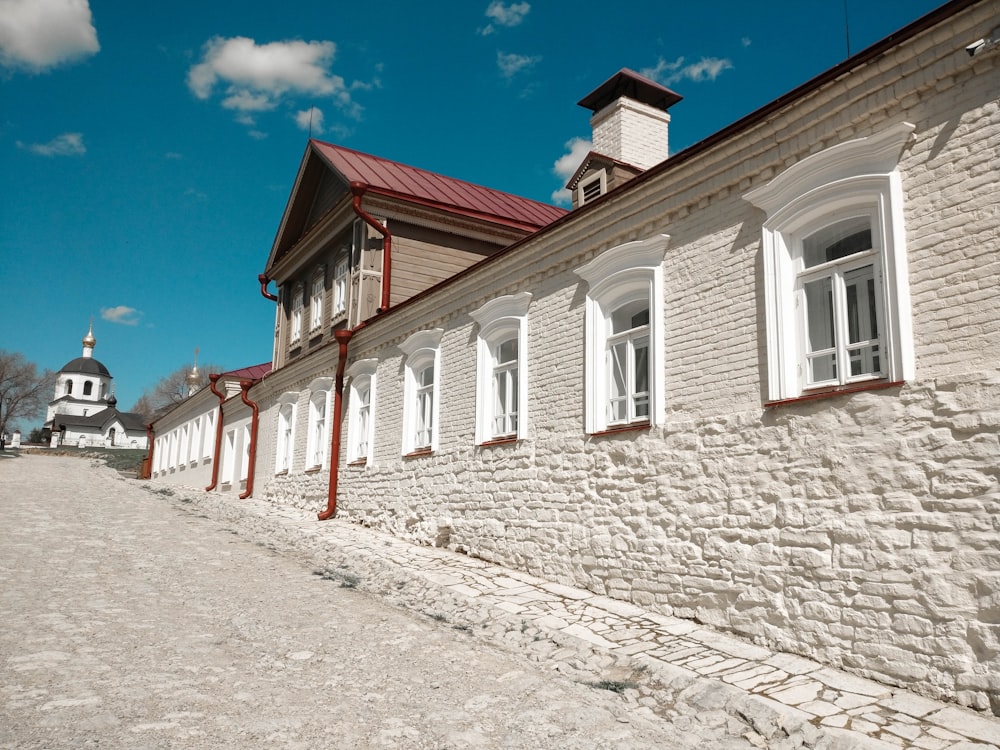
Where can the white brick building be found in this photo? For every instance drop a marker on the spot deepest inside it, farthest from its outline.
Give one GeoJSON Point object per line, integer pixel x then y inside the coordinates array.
{"type": "Point", "coordinates": [755, 384]}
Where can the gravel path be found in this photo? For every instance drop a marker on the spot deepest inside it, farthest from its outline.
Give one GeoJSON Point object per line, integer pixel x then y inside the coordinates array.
{"type": "Point", "coordinates": [130, 623]}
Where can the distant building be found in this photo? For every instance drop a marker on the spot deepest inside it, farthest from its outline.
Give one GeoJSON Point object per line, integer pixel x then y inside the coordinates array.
{"type": "Point", "coordinates": [83, 411]}
{"type": "Point", "coordinates": [204, 440]}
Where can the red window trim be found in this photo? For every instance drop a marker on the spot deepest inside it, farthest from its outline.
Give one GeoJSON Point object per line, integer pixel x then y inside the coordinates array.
{"type": "Point", "coordinates": [632, 427]}
{"type": "Point", "coordinates": [419, 452]}
{"type": "Point", "coordinates": [498, 441]}
{"type": "Point", "coordinates": [878, 385]}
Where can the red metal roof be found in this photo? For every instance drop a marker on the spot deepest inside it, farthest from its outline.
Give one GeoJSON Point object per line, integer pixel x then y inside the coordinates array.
{"type": "Point", "coordinates": [397, 180]}
{"type": "Point", "coordinates": [254, 372]}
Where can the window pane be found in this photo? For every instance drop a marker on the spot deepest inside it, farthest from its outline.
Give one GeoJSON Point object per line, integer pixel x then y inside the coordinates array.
{"type": "Point", "coordinates": [821, 356]}
{"type": "Point", "coordinates": [629, 316]}
{"type": "Point", "coordinates": [862, 321]}
{"type": "Point", "coordinates": [642, 379]}
{"type": "Point", "coordinates": [837, 241]}
{"type": "Point", "coordinates": [507, 351]}
{"type": "Point", "coordinates": [504, 401]}
{"type": "Point", "coordinates": [618, 383]}
{"type": "Point", "coordinates": [426, 376]}
{"type": "Point", "coordinates": [424, 419]}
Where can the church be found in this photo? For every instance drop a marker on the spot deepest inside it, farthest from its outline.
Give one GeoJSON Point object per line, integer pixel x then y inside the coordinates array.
{"type": "Point", "coordinates": [83, 411]}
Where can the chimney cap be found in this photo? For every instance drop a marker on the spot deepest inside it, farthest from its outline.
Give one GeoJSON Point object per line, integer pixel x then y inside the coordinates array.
{"type": "Point", "coordinates": [628, 83]}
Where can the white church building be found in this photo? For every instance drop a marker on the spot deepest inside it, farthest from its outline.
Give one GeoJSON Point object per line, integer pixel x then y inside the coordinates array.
{"type": "Point", "coordinates": [83, 410]}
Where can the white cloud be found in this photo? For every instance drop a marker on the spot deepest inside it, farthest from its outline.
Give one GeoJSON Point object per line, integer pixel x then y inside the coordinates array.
{"type": "Point", "coordinates": [245, 101]}
{"type": "Point", "coordinates": [256, 77]}
{"type": "Point", "coordinates": [40, 34]}
{"type": "Point", "coordinates": [669, 73]}
{"type": "Point", "coordinates": [512, 64]}
{"type": "Point", "coordinates": [564, 167]}
{"type": "Point", "coordinates": [504, 15]}
{"type": "Point", "coordinates": [310, 120]}
{"type": "Point", "coordinates": [67, 144]}
{"type": "Point", "coordinates": [122, 314]}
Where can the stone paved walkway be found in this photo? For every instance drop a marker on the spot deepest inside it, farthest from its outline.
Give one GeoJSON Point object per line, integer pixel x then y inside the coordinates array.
{"type": "Point", "coordinates": [790, 691]}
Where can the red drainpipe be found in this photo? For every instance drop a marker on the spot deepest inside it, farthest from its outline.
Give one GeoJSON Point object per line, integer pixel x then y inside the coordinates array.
{"type": "Point", "coordinates": [264, 281]}
{"type": "Point", "coordinates": [252, 458]}
{"type": "Point", "coordinates": [148, 470]}
{"type": "Point", "coordinates": [343, 336]}
{"type": "Point", "coordinates": [213, 378]}
{"type": "Point", "coordinates": [359, 189]}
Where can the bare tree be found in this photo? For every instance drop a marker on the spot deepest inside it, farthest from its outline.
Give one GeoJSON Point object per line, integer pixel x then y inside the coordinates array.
{"type": "Point", "coordinates": [24, 391]}
{"type": "Point", "coordinates": [172, 389]}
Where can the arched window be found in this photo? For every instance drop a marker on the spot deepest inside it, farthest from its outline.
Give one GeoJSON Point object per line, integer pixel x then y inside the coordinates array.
{"type": "Point", "coordinates": [361, 420]}
{"type": "Point", "coordinates": [286, 432]}
{"type": "Point", "coordinates": [319, 422]}
{"type": "Point", "coordinates": [421, 388]}
{"type": "Point", "coordinates": [88, 388]}
{"type": "Point", "coordinates": [836, 297]}
{"type": "Point", "coordinates": [624, 358]}
{"type": "Point", "coordinates": [501, 346]}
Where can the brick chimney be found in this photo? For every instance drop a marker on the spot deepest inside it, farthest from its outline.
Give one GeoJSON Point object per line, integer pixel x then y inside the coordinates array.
{"type": "Point", "coordinates": [630, 126]}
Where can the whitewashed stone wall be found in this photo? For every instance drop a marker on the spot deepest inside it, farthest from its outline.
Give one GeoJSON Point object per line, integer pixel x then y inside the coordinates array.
{"type": "Point", "coordinates": [859, 529]}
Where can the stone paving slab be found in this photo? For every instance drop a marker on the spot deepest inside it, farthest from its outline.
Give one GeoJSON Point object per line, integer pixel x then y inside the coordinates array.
{"type": "Point", "coordinates": [850, 711]}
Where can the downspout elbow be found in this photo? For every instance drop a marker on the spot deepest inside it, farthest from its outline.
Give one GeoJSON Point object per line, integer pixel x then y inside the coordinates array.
{"type": "Point", "coordinates": [264, 281]}
{"type": "Point", "coordinates": [245, 386]}
{"type": "Point", "coordinates": [343, 337]}
{"type": "Point", "coordinates": [359, 189]}
{"type": "Point", "coordinates": [213, 379]}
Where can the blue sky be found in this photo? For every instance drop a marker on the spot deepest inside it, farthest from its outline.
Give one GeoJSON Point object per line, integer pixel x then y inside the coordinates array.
{"type": "Point", "coordinates": [147, 149]}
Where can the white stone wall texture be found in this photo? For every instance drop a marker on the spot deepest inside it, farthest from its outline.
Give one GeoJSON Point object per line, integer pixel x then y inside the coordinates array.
{"type": "Point", "coordinates": [860, 530]}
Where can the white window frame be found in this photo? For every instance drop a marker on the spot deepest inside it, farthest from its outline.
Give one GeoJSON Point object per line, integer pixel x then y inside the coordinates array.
{"type": "Point", "coordinates": [209, 441]}
{"type": "Point", "coordinates": [854, 178]}
{"type": "Point", "coordinates": [422, 350]}
{"type": "Point", "coordinates": [341, 284]}
{"type": "Point", "coordinates": [316, 300]}
{"type": "Point", "coordinates": [618, 276]}
{"type": "Point", "coordinates": [318, 439]}
{"type": "Point", "coordinates": [285, 438]}
{"type": "Point", "coordinates": [229, 457]}
{"type": "Point", "coordinates": [298, 301]}
{"type": "Point", "coordinates": [245, 455]}
{"type": "Point", "coordinates": [500, 320]}
{"type": "Point", "coordinates": [195, 441]}
{"type": "Point", "coordinates": [361, 416]}
{"type": "Point", "coordinates": [185, 447]}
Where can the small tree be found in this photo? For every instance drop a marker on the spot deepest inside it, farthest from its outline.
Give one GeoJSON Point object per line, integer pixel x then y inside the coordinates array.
{"type": "Point", "coordinates": [24, 391]}
{"type": "Point", "coordinates": [171, 389]}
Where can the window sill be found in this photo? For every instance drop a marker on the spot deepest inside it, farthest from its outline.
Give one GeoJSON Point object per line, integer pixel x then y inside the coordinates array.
{"type": "Point", "coordinates": [282, 473]}
{"type": "Point", "coordinates": [313, 470]}
{"type": "Point", "coordinates": [498, 441]}
{"type": "Point", "coordinates": [419, 452]}
{"type": "Point", "coordinates": [633, 427]}
{"type": "Point", "coordinates": [878, 385]}
{"type": "Point", "coordinates": [358, 462]}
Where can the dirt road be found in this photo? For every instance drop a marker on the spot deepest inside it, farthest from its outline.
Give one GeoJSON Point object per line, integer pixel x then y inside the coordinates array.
{"type": "Point", "coordinates": [127, 623]}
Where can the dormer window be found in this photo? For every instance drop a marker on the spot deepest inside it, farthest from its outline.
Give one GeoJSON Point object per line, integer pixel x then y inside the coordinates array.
{"type": "Point", "coordinates": [592, 187]}
{"type": "Point", "coordinates": [298, 300]}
